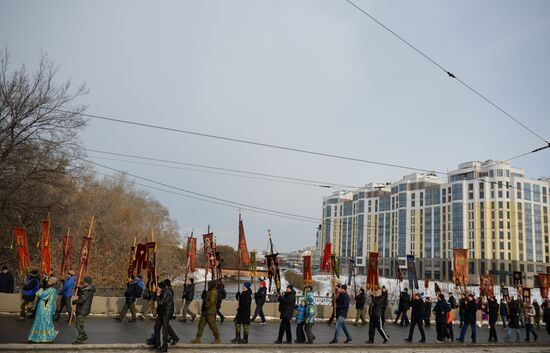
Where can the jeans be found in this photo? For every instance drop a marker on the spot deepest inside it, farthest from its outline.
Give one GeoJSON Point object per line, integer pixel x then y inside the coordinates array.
{"type": "Point", "coordinates": [64, 306]}
{"type": "Point", "coordinates": [309, 333]}
{"type": "Point", "coordinates": [529, 328]}
{"type": "Point", "coordinates": [465, 328]}
{"type": "Point", "coordinates": [259, 311]}
{"type": "Point", "coordinates": [186, 310]}
{"type": "Point", "coordinates": [341, 324]}
{"type": "Point", "coordinates": [509, 333]}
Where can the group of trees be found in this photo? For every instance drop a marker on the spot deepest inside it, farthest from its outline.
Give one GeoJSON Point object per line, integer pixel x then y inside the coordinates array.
{"type": "Point", "coordinates": [41, 172]}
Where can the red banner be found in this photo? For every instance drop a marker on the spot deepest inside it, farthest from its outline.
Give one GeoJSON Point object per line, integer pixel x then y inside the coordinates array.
{"type": "Point", "coordinates": [209, 250]}
{"type": "Point", "coordinates": [307, 271]}
{"type": "Point", "coordinates": [460, 274]}
{"type": "Point", "coordinates": [325, 267]}
{"type": "Point", "coordinates": [22, 248]}
{"type": "Point", "coordinates": [85, 255]}
{"type": "Point", "coordinates": [426, 282]}
{"type": "Point", "coordinates": [141, 258]}
{"type": "Point", "coordinates": [45, 259]}
{"type": "Point", "coordinates": [66, 253]}
{"type": "Point", "coordinates": [151, 261]}
{"type": "Point", "coordinates": [245, 258]}
{"type": "Point", "coordinates": [191, 254]}
{"type": "Point", "coordinates": [544, 283]}
{"type": "Point", "coordinates": [486, 285]}
{"type": "Point", "coordinates": [372, 272]}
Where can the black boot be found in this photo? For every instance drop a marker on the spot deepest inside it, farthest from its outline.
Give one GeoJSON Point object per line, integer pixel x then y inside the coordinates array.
{"type": "Point", "coordinates": [164, 348]}
{"type": "Point", "coordinates": [237, 338]}
{"type": "Point", "coordinates": [245, 338]}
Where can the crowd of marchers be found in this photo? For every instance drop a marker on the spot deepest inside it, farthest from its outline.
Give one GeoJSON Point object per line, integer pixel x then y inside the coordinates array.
{"type": "Point", "coordinates": [40, 301]}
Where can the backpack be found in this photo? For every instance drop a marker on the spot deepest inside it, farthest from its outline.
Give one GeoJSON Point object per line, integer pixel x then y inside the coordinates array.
{"type": "Point", "coordinates": [139, 291]}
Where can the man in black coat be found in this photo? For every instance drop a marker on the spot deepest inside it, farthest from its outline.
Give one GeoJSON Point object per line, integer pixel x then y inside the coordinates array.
{"type": "Point", "coordinates": [287, 301]}
{"type": "Point", "coordinates": [493, 316]}
{"type": "Point", "coordinates": [418, 313]}
{"type": "Point", "coordinates": [188, 296]}
{"type": "Point", "coordinates": [440, 310]}
{"type": "Point", "coordinates": [545, 306]}
{"type": "Point", "coordinates": [513, 317]}
{"type": "Point", "coordinates": [243, 314]}
{"type": "Point", "coordinates": [404, 301]}
{"type": "Point", "coordinates": [6, 281]}
{"type": "Point", "coordinates": [375, 312]}
{"type": "Point", "coordinates": [83, 307]}
{"type": "Point", "coordinates": [259, 298]}
{"type": "Point", "coordinates": [469, 319]}
{"type": "Point", "coordinates": [360, 300]}
{"type": "Point", "coordinates": [165, 312]}
{"type": "Point", "coordinates": [130, 303]}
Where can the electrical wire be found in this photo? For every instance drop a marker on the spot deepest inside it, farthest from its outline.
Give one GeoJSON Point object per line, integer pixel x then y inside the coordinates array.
{"type": "Point", "coordinates": [317, 183]}
{"type": "Point", "coordinates": [449, 73]}
{"type": "Point", "coordinates": [241, 205]}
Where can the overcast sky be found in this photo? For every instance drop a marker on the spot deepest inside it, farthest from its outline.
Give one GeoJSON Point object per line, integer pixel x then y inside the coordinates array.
{"type": "Point", "coordinates": [317, 75]}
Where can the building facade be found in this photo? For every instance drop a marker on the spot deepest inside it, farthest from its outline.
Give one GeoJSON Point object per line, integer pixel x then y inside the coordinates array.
{"type": "Point", "coordinates": [489, 208]}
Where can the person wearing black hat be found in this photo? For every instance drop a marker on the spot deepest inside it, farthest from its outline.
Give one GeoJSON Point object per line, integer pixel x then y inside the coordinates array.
{"type": "Point", "coordinates": [83, 307]}
{"type": "Point", "coordinates": [6, 281]}
{"type": "Point", "coordinates": [286, 308]}
{"type": "Point", "coordinates": [243, 314]}
{"type": "Point", "coordinates": [31, 286]}
{"type": "Point", "coordinates": [165, 311]}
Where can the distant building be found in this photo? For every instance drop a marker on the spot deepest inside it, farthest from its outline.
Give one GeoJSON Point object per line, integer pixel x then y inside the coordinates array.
{"type": "Point", "coordinates": [487, 207]}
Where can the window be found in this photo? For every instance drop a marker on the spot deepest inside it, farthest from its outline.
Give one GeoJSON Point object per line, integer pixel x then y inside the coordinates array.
{"type": "Point", "coordinates": [481, 190]}
{"type": "Point", "coordinates": [507, 173]}
{"type": "Point", "coordinates": [491, 173]}
{"type": "Point", "coordinates": [499, 172]}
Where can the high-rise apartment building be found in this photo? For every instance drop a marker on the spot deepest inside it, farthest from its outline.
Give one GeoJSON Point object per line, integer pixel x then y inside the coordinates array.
{"type": "Point", "coordinates": [487, 207]}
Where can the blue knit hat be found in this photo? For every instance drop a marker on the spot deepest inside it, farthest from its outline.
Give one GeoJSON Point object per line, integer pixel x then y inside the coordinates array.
{"type": "Point", "coordinates": [247, 285]}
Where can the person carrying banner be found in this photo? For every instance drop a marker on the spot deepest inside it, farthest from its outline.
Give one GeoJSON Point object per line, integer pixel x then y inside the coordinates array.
{"type": "Point", "coordinates": [375, 313]}
{"type": "Point", "coordinates": [188, 295]}
{"type": "Point", "coordinates": [31, 286]}
{"type": "Point", "coordinates": [342, 306]}
{"type": "Point", "coordinates": [260, 298]}
{"type": "Point", "coordinates": [244, 299]}
{"type": "Point", "coordinates": [418, 312]}
{"type": "Point", "coordinates": [66, 293]}
{"type": "Point", "coordinates": [208, 313]}
{"type": "Point", "coordinates": [83, 307]}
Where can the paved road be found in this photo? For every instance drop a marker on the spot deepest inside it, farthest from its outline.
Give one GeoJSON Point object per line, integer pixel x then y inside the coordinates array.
{"type": "Point", "coordinates": [107, 331]}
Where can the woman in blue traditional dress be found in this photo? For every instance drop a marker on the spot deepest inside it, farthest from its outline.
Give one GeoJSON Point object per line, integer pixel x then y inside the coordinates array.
{"type": "Point", "coordinates": [42, 329]}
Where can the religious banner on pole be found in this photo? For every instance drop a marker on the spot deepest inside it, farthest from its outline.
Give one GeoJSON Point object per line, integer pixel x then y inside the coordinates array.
{"type": "Point", "coordinates": [307, 271]}
{"type": "Point", "coordinates": [219, 263]}
{"type": "Point", "coordinates": [544, 283]}
{"type": "Point", "coordinates": [517, 279]}
{"type": "Point", "coordinates": [245, 258]}
{"type": "Point", "coordinates": [45, 258]}
{"type": "Point", "coordinates": [325, 266]}
{"type": "Point", "coordinates": [426, 282]}
{"type": "Point", "coordinates": [191, 254]}
{"type": "Point", "coordinates": [411, 273]}
{"type": "Point", "coordinates": [273, 271]}
{"type": "Point", "coordinates": [335, 264]}
{"type": "Point", "coordinates": [460, 267]}
{"type": "Point", "coordinates": [132, 262]}
{"type": "Point", "coordinates": [398, 273]}
{"type": "Point", "coordinates": [20, 234]}
{"type": "Point", "coordinates": [486, 285]}
{"type": "Point", "coordinates": [372, 272]}
{"type": "Point", "coordinates": [141, 258]}
{"type": "Point", "coordinates": [66, 253]}
{"type": "Point", "coordinates": [253, 264]}
{"type": "Point", "coordinates": [526, 294]}
{"type": "Point", "coordinates": [351, 271]}
{"type": "Point", "coordinates": [151, 261]}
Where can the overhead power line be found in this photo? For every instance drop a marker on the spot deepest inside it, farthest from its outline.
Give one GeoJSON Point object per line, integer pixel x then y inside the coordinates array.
{"type": "Point", "coordinates": [249, 142]}
{"type": "Point", "coordinates": [448, 72]}
{"type": "Point", "coordinates": [239, 204]}
{"type": "Point", "coordinates": [263, 176]}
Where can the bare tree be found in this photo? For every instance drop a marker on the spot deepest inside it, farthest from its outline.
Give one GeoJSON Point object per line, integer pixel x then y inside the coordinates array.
{"type": "Point", "coordinates": [38, 137]}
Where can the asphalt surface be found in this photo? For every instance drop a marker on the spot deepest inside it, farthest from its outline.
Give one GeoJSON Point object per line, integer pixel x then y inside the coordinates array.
{"type": "Point", "coordinates": [103, 330]}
